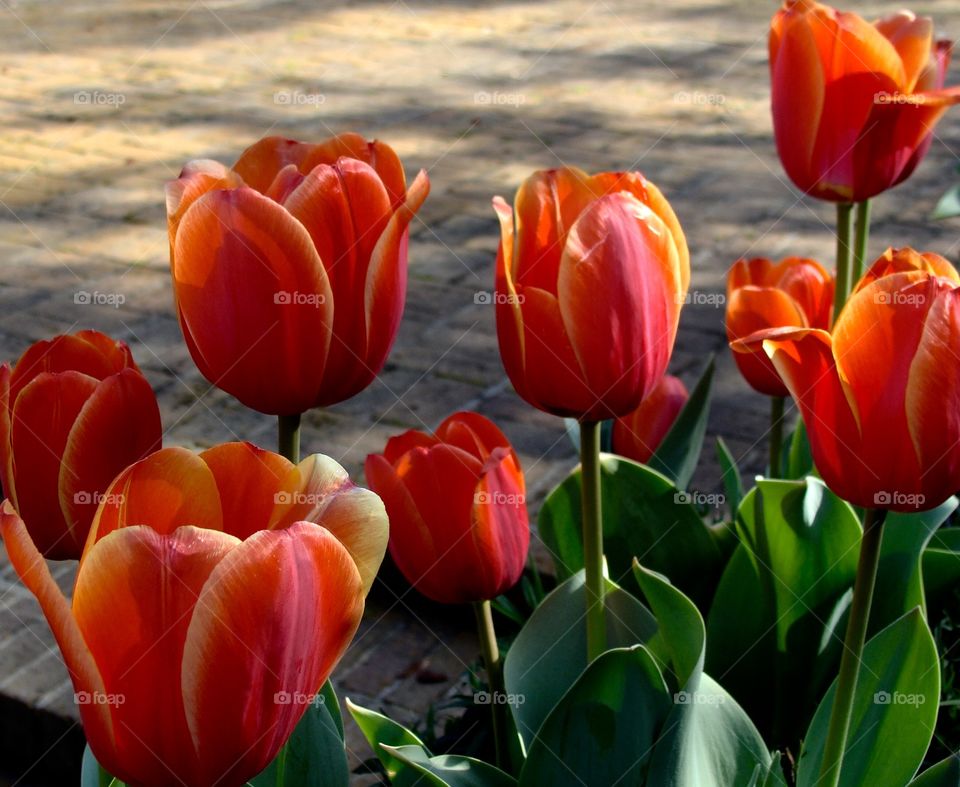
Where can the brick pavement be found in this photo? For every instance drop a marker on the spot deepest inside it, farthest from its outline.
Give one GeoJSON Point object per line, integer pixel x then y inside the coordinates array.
{"type": "Point", "coordinates": [101, 102]}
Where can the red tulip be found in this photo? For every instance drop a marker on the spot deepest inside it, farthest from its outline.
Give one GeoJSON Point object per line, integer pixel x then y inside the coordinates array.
{"type": "Point", "coordinates": [74, 411]}
{"type": "Point", "coordinates": [591, 275]}
{"type": "Point", "coordinates": [290, 270]}
{"type": "Point", "coordinates": [880, 398]}
{"type": "Point", "coordinates": [795, 292]}
{"type": "Point", "coordinates": [638, 434]}
{"type": "Point", "coordinates": [905, 260]}
{"type": "Point", "coordinates": [215, 595]}
{"type": "Point", "coordinates": [458, 519]}
{"type": "Point", "coordinates": [854, 103]}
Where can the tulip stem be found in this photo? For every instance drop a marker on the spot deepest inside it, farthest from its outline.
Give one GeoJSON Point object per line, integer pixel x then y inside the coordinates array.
{"type": "Point", "coordinates": [288, 437]}
{"type": "Point", "coordinates": [494, 665]}
{"type": "Point", "coordinates": [853, 643]}
{"type": "Point", "coordinates": [776, 435]}
{"type": "Point", "coordinates": [860, 241]}
{"type": "Point", "coordinates": [844, 227]}
{"type": "Point", "coordinates": [592, 537]}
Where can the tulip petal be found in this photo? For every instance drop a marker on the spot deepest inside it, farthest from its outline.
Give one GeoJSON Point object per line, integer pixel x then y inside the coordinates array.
{"type": "Point", "coordinates": [251, 483]}
{"type": "Point", "coordinates": [151, 582]}
{"type": "Point", "coordinates": [639, 434]}
{"type": "Point", "coordinates": [259, 165]}
{"type": "Point", "coordinates": [196, 179]}
{"type": "Point", "coordinates": [473, 433]}
{"type": "Point", "coordinates": [912, 37]}
{"type": "Point", "coordinates": [254, 299]}
{"type": "Point", "coordinates": [170, 488]}
{"type": "Point", "coordinates": [377, 154]}
{"type": "Point", "coordinates": [905, 260]}
{"type": "Point", "coordinates": [399, 444]}
{"type": "Point", "coordinates": [275, 616]}
{"type": "Point", "coordinates": [6, 448]}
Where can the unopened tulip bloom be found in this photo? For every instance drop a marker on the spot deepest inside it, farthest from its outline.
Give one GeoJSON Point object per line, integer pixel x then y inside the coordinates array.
{"type": "Point", "coordinates": [290, 269]}
{"type": "Point", "coordinates": [905, 260]}
{"type": "Point", "coordinates": [854, 103]}
{"type": "Point", "coordinates": [880, 395]}
{"type": "Point", "coordinates": [591, 274]}
{"type": "Point", "coordinates": [458, 519]}
{"type": "Point", "coordinates": [795, 292]}
{"type": "Point", "coordinates": [74, 411]}
{"type": "Point", "coordinates": [215, 595]}
{"type": "Point", "coordinates": [638, 434]}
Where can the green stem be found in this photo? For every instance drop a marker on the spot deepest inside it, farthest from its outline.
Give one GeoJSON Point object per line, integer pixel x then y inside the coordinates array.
{"type": "Point", "coordinates": [592, 537]}
{"type": "Point", "coordinates": [844, 227]}
{"type": "Point", "coordinates": [853, 643]}
{"type": "Point", "coordinates": [288, 437]}
{"type": "Point", "coordinates": [776, 435]}
{"type": "Point", "coordinates": [494, 665]}
{"type": "Point", "coordinates": [860, 241]}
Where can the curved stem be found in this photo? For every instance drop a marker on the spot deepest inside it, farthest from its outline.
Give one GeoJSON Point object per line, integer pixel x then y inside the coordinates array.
{"type": "Point", "coordinates": [844, 226]}
{"type": "Point", "coordinates": [592, 537]}
{"type": "Point", "coordinates": [853, 643]}
{"type": "Point", "coordinates": [776, 435]}
{"type": "Point", "coordinates": [860, 240]}
{"type": "Point", "coordinates": [288, 437]}
{"type": "Point", "coordinates": [494, 665]}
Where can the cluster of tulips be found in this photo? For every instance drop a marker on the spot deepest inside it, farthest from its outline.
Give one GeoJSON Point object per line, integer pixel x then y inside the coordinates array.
{"type": "Point", "coordinates": [217, 591]}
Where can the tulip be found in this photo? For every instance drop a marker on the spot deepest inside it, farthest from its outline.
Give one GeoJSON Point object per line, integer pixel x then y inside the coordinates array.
{"type": "Point", "coordinates": [795, 292]}
{"type": "Point", "coordinates": [290, 269]}
{"type": "Point", "coordinates": [905, 260]}
{"type": "Point", "coordinates": [854, 103]}
{"type": "Point", "coordinates": [638, 434]}
{"type": "Point", "coordinates": [74, 412]}
{"type": "Point", "coordinates": [458, 520]}
{"type": "Point", "coordinates": [214, 597]}
{"type": "Point", "coordinates": [591, 274]}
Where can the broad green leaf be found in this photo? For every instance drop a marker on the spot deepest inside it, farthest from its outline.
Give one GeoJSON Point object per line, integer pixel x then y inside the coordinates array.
{"type": "Point", "coordinates": [92, 773]}
{"type": "Point", "coordinates": [378, 729]}
{"type": "Point", "coordinates": [550, 652]}
{"type": "Point", "coordinates": [945, 773]}
{"type": "Point", "coordinates": [798, 461]}
{"type": "Point", "coordinates": [900, 581]}
{"type": "Point", "coordinates": [677, 455]}
{"type": "Point", "coordinates": [894, 710]}
{"type": "Point", "coordinates": [449, 770]}
{"type": "Point", "coordinates": [949, 204]}
{"type": "Point", "coordinates": [602, 730]}
{"type": "Point", "coordinates": [732, 480]}
{"type": "Point", "coordinates": [765, 629]}
{"type": "Point", "coordinates": [314, 755]}
{"type": "Point", "coordinates": [644, 515]}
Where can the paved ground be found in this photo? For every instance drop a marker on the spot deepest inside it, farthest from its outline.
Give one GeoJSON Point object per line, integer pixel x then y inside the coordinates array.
{"type": "Point", "coordinates": [101, 102]}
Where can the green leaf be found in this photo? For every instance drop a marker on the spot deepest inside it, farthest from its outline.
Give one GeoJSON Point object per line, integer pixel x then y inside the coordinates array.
{"type": "Point", "coordinates": [894, 710]}
{"type": "Point", "coordinates": [603, 729]}
{"type": "Point", "coordinates": [550, 652]}
{"type": "Point", "coordinates": [92, 773]}
{"type": "Point", "coordinates": [314, 755]}
{"type": "Point", "coordinates": [945, 773]}
{"type": "Point", "coordinates": [449, 770]}
{"type": "Point", "coordinates": [798, 461]}
{"type": "Point", "coordinates": [949, 204]}
{"type": "Point", "coordinates": [941, 562]}
{"type": "Point", "coordinates": [378, 729]}
{"type": "Point", "coordinates": [905, 537]}
{"type": "Point", "coordinates": [644, 515]}
{"type": "Point", "coordinates": [677, 455]}
{"type": "Point", "coordinates": [798, 556]}
{"type": "Point", "coordinates": [732, 480]}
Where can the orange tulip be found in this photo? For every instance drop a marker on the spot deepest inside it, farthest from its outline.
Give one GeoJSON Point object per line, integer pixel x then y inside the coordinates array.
{"type": "Point", "coordinates": [215, 595]}
{"type": "Point", "coordinates": [905, 260]}
{"type": "Point", "coordinates": [591, 274]}
{"type": "Point", "coordinates": [458, 520]}
{"type": "Point", "coordinates": [290, 270]}
{"type": "Point", "coordinates": [854, 103]}
{"type": "Point", "coordinates": [638, 434]}
{"type": "Point", "coordinates": [74, 411]}
{"type": "Point", "coordinates": [880, 397]}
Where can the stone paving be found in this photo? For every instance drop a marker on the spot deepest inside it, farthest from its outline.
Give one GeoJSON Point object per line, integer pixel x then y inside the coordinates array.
{"type": "Point", "coordinates": [101, 102]}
